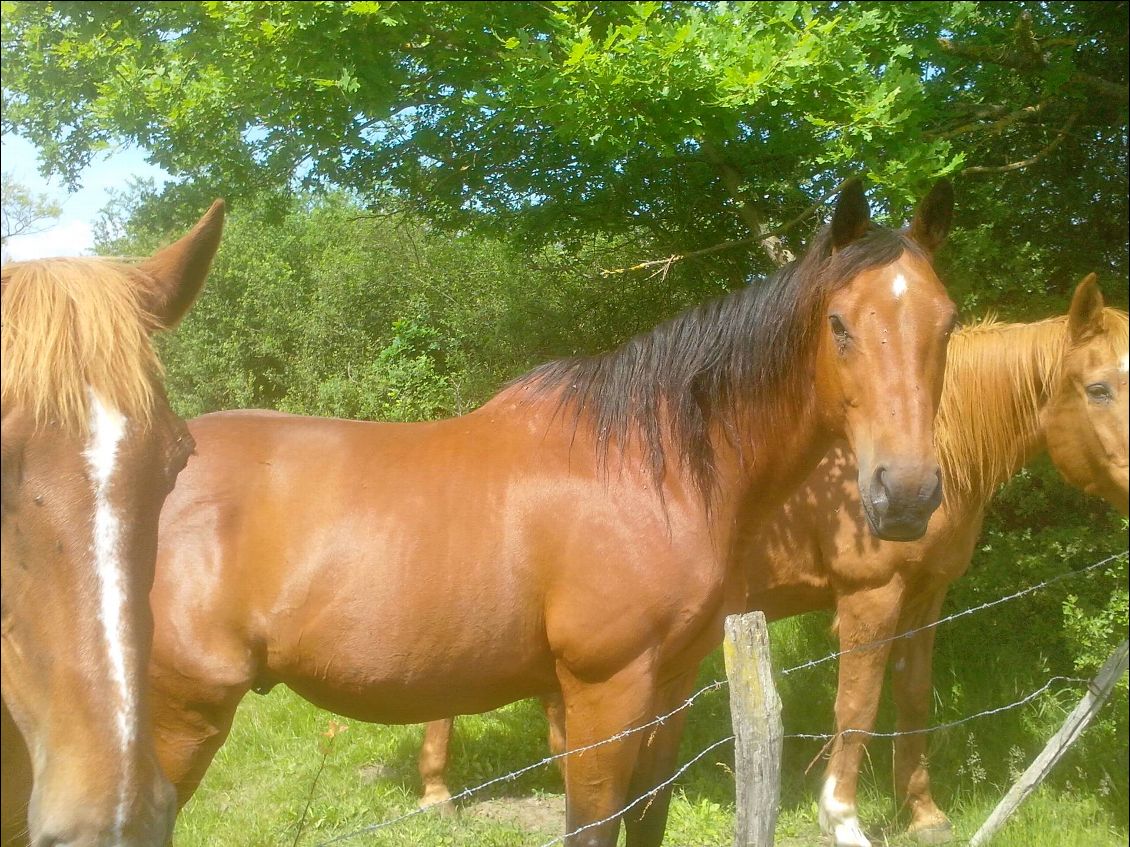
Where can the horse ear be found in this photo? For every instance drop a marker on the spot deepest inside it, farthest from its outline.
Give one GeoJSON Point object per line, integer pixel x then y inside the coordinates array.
{"type": "Point", "coordinates": [1085, 317]}
{"type": "Point", "coordinates": [933, 217]}
{"type": "Point", "coordinates": [178, 271]}
{"type": "Point", "coordinates": [852, 215]}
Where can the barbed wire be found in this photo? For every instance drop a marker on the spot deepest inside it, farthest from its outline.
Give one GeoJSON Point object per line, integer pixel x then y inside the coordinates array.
{"type": "Point", "coordinates": [467, 792]}
{"type": "Point", "coordinates": [720, 683]}
{"type": "Point", "coordinates": [825, 737]}
{"type": "Point", "coordinates": [956, 615]}
{"type": "Point", "coordinates": [984, 713]}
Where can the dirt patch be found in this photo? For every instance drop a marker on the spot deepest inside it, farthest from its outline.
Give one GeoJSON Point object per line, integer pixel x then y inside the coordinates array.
{"type": "Point", "coordinates": [543, 814]}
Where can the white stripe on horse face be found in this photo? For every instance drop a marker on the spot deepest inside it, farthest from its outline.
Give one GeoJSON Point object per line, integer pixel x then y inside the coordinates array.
{"type": "Point", "coordinates": [1124, 365]}
{"type": "Point", "coordinates": [107, 428]}
{"type": "Point", "coordinates": [898, 287]}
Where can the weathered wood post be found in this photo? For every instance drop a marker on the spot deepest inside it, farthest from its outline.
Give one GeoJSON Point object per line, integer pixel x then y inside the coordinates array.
{"type": "Point", "coordinates": [756, 712]}
{"type": "Point", "coordinates": [1098, 690]}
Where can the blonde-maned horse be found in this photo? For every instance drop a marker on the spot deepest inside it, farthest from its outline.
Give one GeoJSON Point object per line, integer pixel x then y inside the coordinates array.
{"type": "Point", "coordinates": [1011, 391]}
{"type": "Point", "coordinates": [90, 449]}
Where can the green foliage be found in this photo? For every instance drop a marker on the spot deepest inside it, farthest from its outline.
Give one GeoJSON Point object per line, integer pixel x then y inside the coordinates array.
{"type": "Point", "coordinates": [315, 306]}
{"type": "Point", "coordinates": [405, 382]}
{"type": "Point", "coordinates": [689, 123]}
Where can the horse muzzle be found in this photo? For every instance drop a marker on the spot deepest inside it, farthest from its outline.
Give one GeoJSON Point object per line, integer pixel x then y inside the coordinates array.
{"type": "Point", "coordinates": [898, 501]}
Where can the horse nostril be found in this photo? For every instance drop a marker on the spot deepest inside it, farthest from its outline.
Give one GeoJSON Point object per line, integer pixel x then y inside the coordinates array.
{"type": "Point", "coordinates": [880, 491]}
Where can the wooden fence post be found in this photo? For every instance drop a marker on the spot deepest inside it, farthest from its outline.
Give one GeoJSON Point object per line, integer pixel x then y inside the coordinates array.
{"type": "Point", "coordinates": [1098, 690]}
{"type": "Point", "coordinates": [755, 710]}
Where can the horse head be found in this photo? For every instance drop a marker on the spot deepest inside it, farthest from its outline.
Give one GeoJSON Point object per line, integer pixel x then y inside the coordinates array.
{"type": "Point", "coordinates": [90, 450]}
{"type": "Point", "coordinates": [887, 318]}
{"type": "Point", "coordinates": [1086, 419]}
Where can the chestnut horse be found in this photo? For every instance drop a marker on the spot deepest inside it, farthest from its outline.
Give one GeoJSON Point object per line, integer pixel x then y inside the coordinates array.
{"type": "Point", "coordinates": [583, 531]}
{"type": "Point", "coordinates": [90, 449]}
{"type": "Point", "coordinates": [1011, 390]}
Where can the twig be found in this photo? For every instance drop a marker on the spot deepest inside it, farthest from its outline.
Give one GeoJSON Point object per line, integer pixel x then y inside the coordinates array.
{"type": "Point", "coordinates": [333, 729]}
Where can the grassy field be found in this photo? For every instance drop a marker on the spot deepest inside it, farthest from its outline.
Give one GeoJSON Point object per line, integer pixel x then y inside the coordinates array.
{"type": "Point", "coordinates": [279, 768]}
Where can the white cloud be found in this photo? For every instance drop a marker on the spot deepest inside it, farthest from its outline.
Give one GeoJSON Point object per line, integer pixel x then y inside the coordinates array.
{"type": "Point", "coordinates": [67, 238]}
{"type": "Point", "coordinates": [73, 234]}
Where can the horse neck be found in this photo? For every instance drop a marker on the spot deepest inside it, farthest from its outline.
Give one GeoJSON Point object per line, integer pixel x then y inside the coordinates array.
{"type": "Point", "coordinates": [989, 422]}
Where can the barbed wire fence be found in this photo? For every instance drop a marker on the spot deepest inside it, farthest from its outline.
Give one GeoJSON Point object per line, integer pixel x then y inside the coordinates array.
{"type": "Point", "coordinates": [722, 683]}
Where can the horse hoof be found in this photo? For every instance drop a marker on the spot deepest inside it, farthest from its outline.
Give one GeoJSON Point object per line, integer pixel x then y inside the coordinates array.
{"type": "Point", "coordinates": [937, 833]}
{"type": "Point", "coordinates": [441, 805]}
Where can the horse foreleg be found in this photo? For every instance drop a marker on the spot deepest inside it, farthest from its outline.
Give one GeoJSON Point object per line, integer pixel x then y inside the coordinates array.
{"type": "Point", "coordinates": [434, 753]}
{"type": "Point", "coordinates": [188, 730]}
{"type": "Point", "coordinates": [658, 758]}
{"type": "Point", "coordinates": [596, 780]}
{"type": "Point", "coordinates": [911, 680]}
{"type": "Point", "coordinates": [864, 617]}
{"type": "Point", "coordinates": [555, 715]}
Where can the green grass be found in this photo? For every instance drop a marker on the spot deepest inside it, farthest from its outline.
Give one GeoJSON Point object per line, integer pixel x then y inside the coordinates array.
{"type": "Point", "coordinates": [256, 790]}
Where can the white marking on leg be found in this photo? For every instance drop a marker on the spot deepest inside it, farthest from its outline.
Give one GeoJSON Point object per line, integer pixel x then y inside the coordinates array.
{"type": "Point", "coordinates": [898, 287]}
{"type": "Point", "coordinates": [838, 818]}
{"type": "Point", "coordinates": [107, 428]}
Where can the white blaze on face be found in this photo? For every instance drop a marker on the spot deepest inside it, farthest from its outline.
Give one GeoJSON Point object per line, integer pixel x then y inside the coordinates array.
{"type": "Point", "coordinates": [107, 428]}
{"type": "Point", "coordinates": [839, 819]}
{"type": "Point", "coordinates": [898, 286]}
{"type": "Point", "coordinates": [1124, 365]}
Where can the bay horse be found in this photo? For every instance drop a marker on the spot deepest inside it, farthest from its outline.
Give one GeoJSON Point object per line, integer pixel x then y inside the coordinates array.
{"type": "Point", "coordinates": [90, 449]}
{"type": "Point", "coordinates": [1010, 392]}
{"type": "Point", "coordinates": [582, 531]}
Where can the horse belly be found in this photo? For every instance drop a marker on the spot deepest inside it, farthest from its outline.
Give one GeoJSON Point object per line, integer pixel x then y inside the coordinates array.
{"type": "Point", "coordinates": [411, 642]}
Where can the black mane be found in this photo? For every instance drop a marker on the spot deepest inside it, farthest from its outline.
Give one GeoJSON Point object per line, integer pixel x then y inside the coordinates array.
{"type": "Point", "coordinates": [741, 353]}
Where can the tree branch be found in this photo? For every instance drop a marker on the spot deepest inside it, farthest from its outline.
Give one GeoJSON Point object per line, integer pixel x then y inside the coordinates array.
{"type": "Point", "coordinates": [977, 124]}
{"type": "Point", "coordinates": [1024, 163]}
{"type": "Point", "coordinates": [665, 264]}
{"type": "Point", "coordinates": [732, 178]}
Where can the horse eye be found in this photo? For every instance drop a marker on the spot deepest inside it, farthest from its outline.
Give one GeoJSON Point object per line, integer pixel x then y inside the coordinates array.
{"type": "Point", "coordinates": [838, 328]}
{"type": "Point", "coordinates": [1099, 392]}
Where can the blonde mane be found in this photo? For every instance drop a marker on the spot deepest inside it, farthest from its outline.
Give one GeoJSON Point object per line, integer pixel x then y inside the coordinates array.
{"type": "Point", "coordinates": [998, 376]}
{"type": "Point", "coordinates": [73, 327]}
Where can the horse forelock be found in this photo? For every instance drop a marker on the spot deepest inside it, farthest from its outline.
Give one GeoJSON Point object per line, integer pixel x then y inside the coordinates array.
{"type": "Point", "coordinates": [997, 379]}
{"type": "Point", "coordinates": [73, 327]}
{"type": "Point", "coordinates": [735, 364]}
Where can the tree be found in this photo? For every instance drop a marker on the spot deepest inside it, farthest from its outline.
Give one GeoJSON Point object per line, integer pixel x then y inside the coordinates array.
{"type": "Point", "coordinates": [683, 125]}
{"type": "Point", "coordinates": [24, 212]}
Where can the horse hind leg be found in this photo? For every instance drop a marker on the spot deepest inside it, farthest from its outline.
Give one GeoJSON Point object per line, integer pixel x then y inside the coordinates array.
{"type": "Point", "coordinates": [434, 755]}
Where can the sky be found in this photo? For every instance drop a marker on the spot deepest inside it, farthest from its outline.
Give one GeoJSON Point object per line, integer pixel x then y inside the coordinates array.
{"type": "Point", "coordinates": [72, 234]}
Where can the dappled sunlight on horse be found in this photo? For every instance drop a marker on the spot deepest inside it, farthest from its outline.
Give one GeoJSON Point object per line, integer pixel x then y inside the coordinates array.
{"type": "Point", "coordinates": [1010, 390]}
{"type": "Point", "coordinates": [90, 450]}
